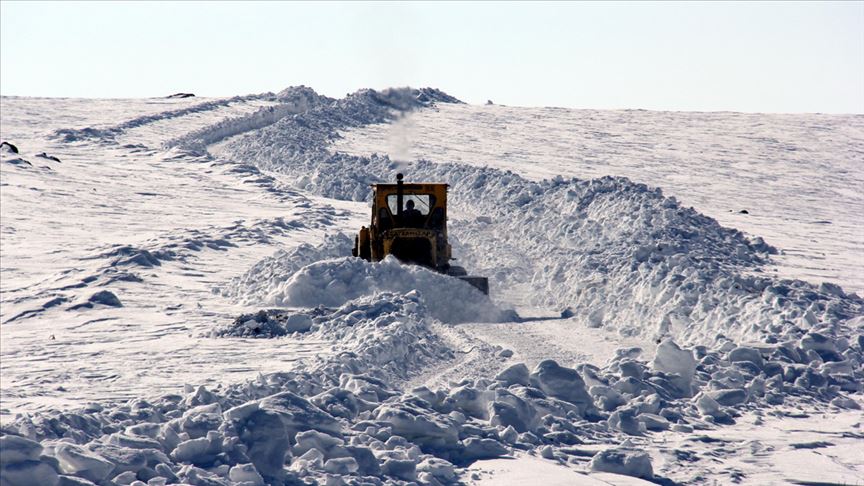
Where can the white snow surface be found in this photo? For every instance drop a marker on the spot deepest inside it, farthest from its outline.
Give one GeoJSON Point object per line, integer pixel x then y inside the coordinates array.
{"type": "Point", "coordinates": [178, 303]}
{"type": "Point", "coordinates": [798, 176]}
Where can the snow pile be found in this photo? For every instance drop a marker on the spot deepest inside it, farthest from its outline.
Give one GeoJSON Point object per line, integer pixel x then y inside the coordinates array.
{"type": "Point", "coordinates": [336, 416]}
{"type": "Point", "coordinates": [335, 282]}
{"type": "Point", "coordinates": [619, 254]}
{"type": "Point", "coordinates": [312, 276]}
{"type": "Point", "coordinates": [346, 415]}
{"type": "Point", "coordinates": [227, 436]}
{"type": "Point", "coordinates": [270, 323]}
{"type": "Point", "coordinates": [255, 284]}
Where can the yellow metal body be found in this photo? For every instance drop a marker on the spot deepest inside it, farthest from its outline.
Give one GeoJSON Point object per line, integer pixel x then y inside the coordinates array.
{"type": "Point", "coordinates": [418, 236]}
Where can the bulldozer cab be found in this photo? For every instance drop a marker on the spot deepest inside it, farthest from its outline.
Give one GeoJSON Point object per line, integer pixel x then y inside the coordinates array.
{"type": "Point", "coordinates": [421, 206]}
{"type": "Point", "coordinates": [409, 221]}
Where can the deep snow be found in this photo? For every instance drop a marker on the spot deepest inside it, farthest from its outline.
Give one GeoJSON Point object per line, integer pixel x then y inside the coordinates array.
{"type": "Point", "coordinates": [793, 179]}
{"type": "Point", "coordinates": [193, 216]}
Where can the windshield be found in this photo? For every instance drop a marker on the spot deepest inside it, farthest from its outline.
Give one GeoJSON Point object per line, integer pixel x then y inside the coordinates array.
{"type": "Point", "coordinates": [422, 202]}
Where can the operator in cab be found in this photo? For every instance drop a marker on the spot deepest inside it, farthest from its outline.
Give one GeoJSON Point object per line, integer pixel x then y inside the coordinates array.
{"type": "Point", "coordinates": [411, 217]}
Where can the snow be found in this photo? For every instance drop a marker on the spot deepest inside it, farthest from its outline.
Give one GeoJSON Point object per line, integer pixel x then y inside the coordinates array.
{"type": "Point", "coordinates": [202, 322]}
{"type": "Point", "coordinates": [623, 461]}
{"type": "Point", "coordinates": [798, 175]}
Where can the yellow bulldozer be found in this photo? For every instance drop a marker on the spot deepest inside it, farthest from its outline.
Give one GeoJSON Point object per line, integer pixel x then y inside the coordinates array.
{"type": "Point", "coordinates": [409, 221]}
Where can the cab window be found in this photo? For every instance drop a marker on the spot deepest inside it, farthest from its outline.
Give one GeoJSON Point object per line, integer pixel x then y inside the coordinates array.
{"type": "Point", "coordinates": [422, 202]}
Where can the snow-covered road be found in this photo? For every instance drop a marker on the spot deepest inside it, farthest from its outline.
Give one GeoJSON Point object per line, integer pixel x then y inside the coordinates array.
{"type": "Point", "coordinates": [127, 263]}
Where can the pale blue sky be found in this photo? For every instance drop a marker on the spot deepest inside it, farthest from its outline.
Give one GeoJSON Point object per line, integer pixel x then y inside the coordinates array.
{"type": "Point", "coordinates": [768, 57]}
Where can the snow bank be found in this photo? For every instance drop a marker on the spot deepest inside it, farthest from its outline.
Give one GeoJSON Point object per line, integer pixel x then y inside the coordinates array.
{"type": "Point", "coordinates": [292, 101]}
{"type": "Point", "coordinates": [109, 134]}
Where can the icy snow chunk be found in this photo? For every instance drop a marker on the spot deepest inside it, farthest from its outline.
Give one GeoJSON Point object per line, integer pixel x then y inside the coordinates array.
{"type": "Point", "coordinates": [628, 462]}
{"type": "Point", "coordinates": [516, 374]}
{"type": "Point", "coordinates": [653, 422]}
{"type": "Point", "coordinates": [246, 473]}
{"type": "Point", "coordinates": [405, 469]}
{"type": "Point", "coordinates": [846, 402]}
{"type": "Point", "coordinates": [509, 435]}
{"type": "Point", "coordinates": [266, 437]}
{"type": "Point", "coordinates": [312, 439]}
{"type": "Point", "coordinates": [200, 477]}
{"type": "Point", "coordinates": [125, 478]}
{"type": "Point", "coordinates": [625, 420]}
{"type": "Point", "coordinates": [199, 420]}
{"type": "Point", "coordinates": [341, 403]}
{"type": "Point", "coordinates": [28, 473]}
{"type": "Point", "coordinates": [606, 398]}
{"type": "Point", "coordinates": [313, 458]}
{"type": "Point", "coordinates": [471, 401]}
{"type": "Point", "coordinates": [709, 407]}
{"type": "Point", "coordinates": [823, 345]}
{"type": "Point", "coordinates": [132, 442]}
{"type": "Point", "coordinates": [420, 425]}
{"type": "Point", "coordinates": [479, 448]}
{"type": "Point", "coordinates": [632, 369]}
{"type": "Point", "coordinates": [200, 451]}
{"type": "Point", "coordinates": [75, 481]}
{"type": "Point", "coordinates": [126, 459]}
{"type": "Point", "coordinates": [439, 468]}
{"type": "Point", "coordinates": [563, 383]}
{"type": "Point", "coordinates": [751, 355]}
{"type": "Point", "coordinates": [77, 461]}
{"type": "Point", "coordinates": [728, 397]}
{"type": "Point", "coordinates": [341, 465]}
{"type": "Point", "coordinates": [299, 414]}
{"type": "Point", "coordinates": [517, 415]}
{"type": "Point", "coordinates": [366, 462]}
{"type": "Point", "coordinates": [672, 360]}
{"type": "Point", "coordinates": [241, 412]}
{"type": "Point", "coordinates": [18, 449]}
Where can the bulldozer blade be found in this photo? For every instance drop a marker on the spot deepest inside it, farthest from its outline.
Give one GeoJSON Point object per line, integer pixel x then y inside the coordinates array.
{"type": "Point", "coordinates": [480, 283]}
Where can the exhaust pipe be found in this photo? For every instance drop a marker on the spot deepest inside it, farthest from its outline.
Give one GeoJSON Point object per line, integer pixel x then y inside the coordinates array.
{"type": "Point", "coordinates": [399, 197]}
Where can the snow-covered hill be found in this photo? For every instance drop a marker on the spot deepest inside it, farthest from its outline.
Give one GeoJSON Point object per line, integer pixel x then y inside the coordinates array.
{"type": "Point", "coordinates": [793, 179]}
{"type": "Point", "coordinates": [141, 240]}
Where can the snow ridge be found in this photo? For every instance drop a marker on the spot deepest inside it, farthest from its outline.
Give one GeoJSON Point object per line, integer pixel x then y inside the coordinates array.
{"type": "Point", "coordinates": [292, 100]}
{"type": "Point", "coordinates": [108, 134]}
